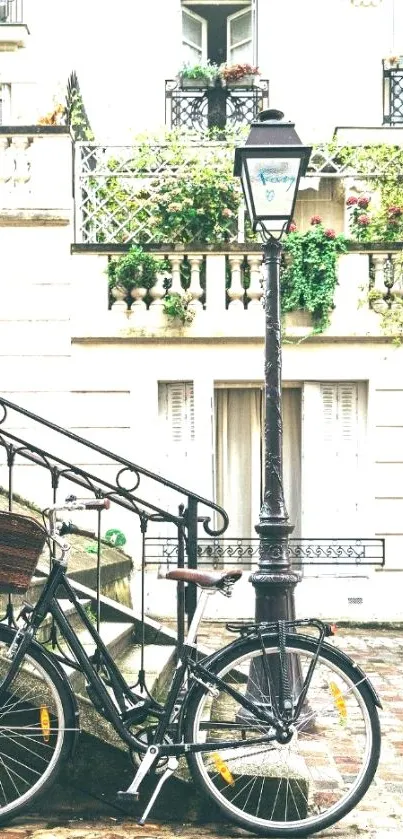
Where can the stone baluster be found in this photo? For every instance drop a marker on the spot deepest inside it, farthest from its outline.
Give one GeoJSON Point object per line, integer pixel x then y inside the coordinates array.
{"type": "Point", "coordinates": [20, 146]}
{"type": "Point", "coordinates": [7, 164]}
{"type": "Point", "coordinates": [157, 292]}
{"type": "Point", "coordinates": [397, 265]}
{"type": "Point", "coordinates": [378, 261]}
{"type": "Point", "coordinates": [195, 288]}
{"type": "Point", "coordinates": [176, 260]}
{"type": "Point", "coordinates": [119, 306]}
{"type": "Point", "coordinates": [254, 292]}
{"type": "Point", "coordinates": [236, 290]}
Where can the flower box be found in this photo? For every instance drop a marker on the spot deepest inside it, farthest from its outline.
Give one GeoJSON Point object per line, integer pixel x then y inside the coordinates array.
{"type": "Point", "coordinates": [245, 81]}
{"type": "Point", "coordinates": [199, 81]}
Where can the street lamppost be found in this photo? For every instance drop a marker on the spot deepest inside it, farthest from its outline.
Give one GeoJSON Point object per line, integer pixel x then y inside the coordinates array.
{"type": "Point", "coordinates": [270, 165]}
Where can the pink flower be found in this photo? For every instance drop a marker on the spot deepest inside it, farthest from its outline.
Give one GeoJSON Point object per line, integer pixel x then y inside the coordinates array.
{"type": "Point", "coordinates": [316, 220]}
{"type": "Point", "coordinates": [329, 233]}
{"type": "Point", "coordinates": [363, 202]}
{"type": "Point", "coordinates": [395, 211]}
{"type": "Point", "coordinates": [227, 213]}
{"type": "Point", "coordinates": [292, 228]}
{"type": "Point", "coordinates": [351, 200]}
{"type": "Point", "coordinates": [363, 220]}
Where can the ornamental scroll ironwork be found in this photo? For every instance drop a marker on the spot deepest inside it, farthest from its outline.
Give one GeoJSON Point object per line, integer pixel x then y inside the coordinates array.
{"type": "Point", "coordinates": [128, 478]}
{"type": "Point", "coordinates": [204, 108]}
{"type": "Point", "coordinates": [301, 552]}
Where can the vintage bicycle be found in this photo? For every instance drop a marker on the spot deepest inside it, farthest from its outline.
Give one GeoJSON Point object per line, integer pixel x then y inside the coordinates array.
{"type": "Point", "coordinates": [279, 728]}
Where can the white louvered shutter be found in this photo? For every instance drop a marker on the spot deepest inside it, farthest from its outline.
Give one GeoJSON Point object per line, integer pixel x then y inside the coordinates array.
{"type": "Point", "coordinates": [333, 427]}
{"type": "Point", "coordinates": [240, 37]}
{"type": "Point", "coordinates": [194, 38]}
{"type": "Point", "coordinates": [177, 423]}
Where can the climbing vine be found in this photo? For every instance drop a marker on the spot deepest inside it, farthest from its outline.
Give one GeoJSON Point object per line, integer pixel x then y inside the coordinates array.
{"type": "Point", "coordinates": [309, 271]}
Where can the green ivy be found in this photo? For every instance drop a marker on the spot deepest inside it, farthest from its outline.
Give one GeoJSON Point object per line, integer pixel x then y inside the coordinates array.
{"type": "Point", "coordinates": [177, 307]}
{"type": "Point", "coordinates": [309, 271]}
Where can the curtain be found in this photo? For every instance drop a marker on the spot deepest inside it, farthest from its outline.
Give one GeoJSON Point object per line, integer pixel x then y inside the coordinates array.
{"type": "Point", "coordinates": [239, 474]}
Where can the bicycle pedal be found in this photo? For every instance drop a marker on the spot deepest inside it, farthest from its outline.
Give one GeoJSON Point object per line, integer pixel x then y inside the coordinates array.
{"type": "Point", "coordinates": [127, 796]}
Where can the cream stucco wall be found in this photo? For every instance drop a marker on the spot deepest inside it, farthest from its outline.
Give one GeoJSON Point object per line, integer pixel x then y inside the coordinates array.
{"type": "Point", "coordinates": [324, 66]}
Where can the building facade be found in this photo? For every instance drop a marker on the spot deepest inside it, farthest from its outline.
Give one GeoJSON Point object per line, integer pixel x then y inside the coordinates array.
{"type": "Point", "coordinates": [187, 400]}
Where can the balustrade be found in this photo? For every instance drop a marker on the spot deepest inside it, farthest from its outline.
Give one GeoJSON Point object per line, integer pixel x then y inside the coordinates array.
{"type": "Point", "coordinates": [227, 289]}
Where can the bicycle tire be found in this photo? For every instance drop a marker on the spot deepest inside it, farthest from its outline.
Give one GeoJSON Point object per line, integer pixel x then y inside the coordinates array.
{"type": "Point", "coordinates": [294, 789]}
{"type": "Point", "coordinates": [37, 719]}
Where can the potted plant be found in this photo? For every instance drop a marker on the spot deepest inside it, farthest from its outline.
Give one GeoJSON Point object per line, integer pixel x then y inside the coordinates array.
{"type": "Point", "coordinates": [198, 75]}
{"type": "Point", "coordinates": [393, 62]}
{"type": "Point", "coordinates": [239, 75]}
{"type": "Point", "coordinates": [135, 272]}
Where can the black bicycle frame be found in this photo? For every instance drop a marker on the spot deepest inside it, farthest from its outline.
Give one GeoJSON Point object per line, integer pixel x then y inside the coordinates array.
{"type": "Point", "coordinates": [48, 604]}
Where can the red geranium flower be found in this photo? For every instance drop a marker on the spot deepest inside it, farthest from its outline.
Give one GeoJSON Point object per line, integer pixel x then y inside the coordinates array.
{"type": "Point", "coordinates": [363, 220]}
{"type": "Point", "coordinates": [292, 227]}
{"type": "Point", "coordinates": [363, 202]}
{"type": "Point", "coordinates": [330, 234]}
{"type": "Point", "coordinates": [351, 200]}
{"type": "Point", "coordinates": [395, 211]}
{"type": "Point", "coordinates": [316, 220]}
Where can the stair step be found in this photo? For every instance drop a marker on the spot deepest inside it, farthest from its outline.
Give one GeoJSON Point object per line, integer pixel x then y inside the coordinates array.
{"type": "Point", "coordinates": [116, 637]}
{"type": "Point", "coordinates": [159, 664]}
{"type": "Point", "coordinates": [69, 612]}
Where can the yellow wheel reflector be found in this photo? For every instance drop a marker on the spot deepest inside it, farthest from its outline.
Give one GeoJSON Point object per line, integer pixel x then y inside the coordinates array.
{"type": "Point", "coordinates": [222, 768]}
{"type": "Point", "coordinates": [45, 722]}
{"type": "Point", "coordinates": [339, 701]}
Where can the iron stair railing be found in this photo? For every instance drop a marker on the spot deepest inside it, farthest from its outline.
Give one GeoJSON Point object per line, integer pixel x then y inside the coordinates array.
{"type": "Point", "coordinates": [193, 511]}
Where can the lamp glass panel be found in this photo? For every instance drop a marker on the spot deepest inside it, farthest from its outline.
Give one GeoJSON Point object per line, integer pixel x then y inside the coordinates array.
{"type": "Point", "coordinates": [273, 183]}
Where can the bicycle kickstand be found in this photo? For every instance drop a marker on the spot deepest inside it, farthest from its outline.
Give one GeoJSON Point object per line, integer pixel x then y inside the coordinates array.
{"type": "Point", "coordinates": [171, 768]}
{"type": "Point", "coordinates": [149, 759]}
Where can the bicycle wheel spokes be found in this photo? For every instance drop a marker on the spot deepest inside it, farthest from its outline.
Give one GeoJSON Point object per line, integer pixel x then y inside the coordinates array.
{"type": "Point", "coordinates": [31, 732]}
{"type": "Point", "coordinates": [298, 786]}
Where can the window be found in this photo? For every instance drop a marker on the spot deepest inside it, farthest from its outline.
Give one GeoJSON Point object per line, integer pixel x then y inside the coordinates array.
{"type": "Point", "coordinates": [221, 32]}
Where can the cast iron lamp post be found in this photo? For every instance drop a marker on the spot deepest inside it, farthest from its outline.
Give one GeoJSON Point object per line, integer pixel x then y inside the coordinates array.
{"type": "Point", "coordinates": [270, 165]}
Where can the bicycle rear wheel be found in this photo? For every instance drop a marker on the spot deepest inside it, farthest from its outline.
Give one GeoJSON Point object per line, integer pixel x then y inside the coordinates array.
{"type": "Point", "coordinates": [36, 728]}
{"type": "Point", "coordinates": [303, 786]}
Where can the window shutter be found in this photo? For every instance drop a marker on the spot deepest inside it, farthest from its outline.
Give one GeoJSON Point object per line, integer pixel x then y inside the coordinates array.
{"type": "Point", "coordinates": [194, 38]}
{"type": "Point", "coordinates": [332, 489]}
{"type": "Point", "coordinates": [240, 37]}
{"type": "Point", "coordinates": [176, 408]}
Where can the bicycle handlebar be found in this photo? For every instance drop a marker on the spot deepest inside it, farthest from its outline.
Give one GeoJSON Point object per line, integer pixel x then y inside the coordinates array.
{"type": "Point", "coordinates": [73, 503]}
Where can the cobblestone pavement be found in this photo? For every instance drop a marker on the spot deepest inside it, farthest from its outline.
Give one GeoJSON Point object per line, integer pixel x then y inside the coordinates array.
{"type": "Point", "coordinates": [380, 813]}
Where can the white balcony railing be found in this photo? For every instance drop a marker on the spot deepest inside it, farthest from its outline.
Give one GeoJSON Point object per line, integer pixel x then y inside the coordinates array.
{"type": "Point", "coordinates": [224, 304]}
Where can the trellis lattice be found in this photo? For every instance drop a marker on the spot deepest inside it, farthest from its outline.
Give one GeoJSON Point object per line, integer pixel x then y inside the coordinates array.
{"type": "Point", "coordinates": [116, 188]}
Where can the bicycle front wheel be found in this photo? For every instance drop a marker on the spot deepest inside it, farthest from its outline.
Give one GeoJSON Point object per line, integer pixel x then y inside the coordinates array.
{"type": "Point", "coordinates": [296, 788]}
{"type": "Point", "coordinates": [36, 728]}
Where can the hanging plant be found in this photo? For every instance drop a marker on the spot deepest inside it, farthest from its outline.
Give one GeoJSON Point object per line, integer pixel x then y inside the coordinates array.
{"type": "Point", "coordinates": [309, 271]}
{"type": "Point", "coordinates": [177, 307]}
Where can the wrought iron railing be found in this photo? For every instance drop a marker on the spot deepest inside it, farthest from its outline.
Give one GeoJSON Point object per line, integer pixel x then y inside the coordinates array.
{"type": "Point", "coordinates": [392, 94]}
{"type": "Point", "coordinates": [219, 552]}
{"type": "Point", "coordinates": [128, 485]}
{"type": "Point", "coordinates": [11, 11]}
{"type": "Point", "coordinates": [203, 108]}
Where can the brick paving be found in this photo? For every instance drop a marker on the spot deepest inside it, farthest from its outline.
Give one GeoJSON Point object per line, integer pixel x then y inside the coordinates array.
{"type": "Point", "coordinates": [378, 816]}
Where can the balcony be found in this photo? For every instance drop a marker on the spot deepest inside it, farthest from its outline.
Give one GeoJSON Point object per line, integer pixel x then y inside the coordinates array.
{"type": "Point", "coordinates": [13, 31]}
{"type": "Point", "coordinates": [225, 284]}
{"type": "Point", "coordinates": [202, 108]}
{"type": "Point", "coordinates": [393, 91]}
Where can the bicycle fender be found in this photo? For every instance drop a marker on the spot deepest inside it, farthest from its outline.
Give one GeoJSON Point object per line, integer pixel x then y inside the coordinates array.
{"type": "Point", "coordinates": [358, 671]}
